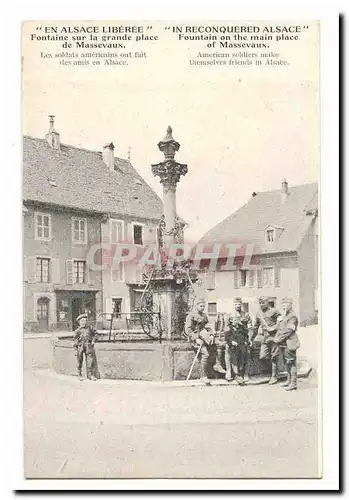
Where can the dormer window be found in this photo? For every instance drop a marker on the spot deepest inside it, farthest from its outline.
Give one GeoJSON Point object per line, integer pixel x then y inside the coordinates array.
{"type": "Point", "coordinates": [272, 233]}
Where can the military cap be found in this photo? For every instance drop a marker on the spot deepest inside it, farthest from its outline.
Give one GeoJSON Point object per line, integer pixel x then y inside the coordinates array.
{"type": "Point", "coordinates": [237, 300]}
{"type": "Point", "coordinates": [262, 300]}
{"type": "Point", "coordinates": [81, 316]}
{"type": "Point", "coordinates": [287, 300]}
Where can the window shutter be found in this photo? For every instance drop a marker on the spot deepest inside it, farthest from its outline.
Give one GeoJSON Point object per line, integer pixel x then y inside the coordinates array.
{"type": "Point", "coordinates": [277, 276]}
{"type": "Point", "coordinates": [31, 269]}
{"type": "Point", "coordinates": [54, 272]}
{"type": "Point", "coordinates": [236, 278]}
{"type": "Point", "coordinates": [105, 232]}
{"type": "Point", "coordinates": [108, 305]}
{"type": "Point", "coordinates": [250, 278]}
{"type": "Point", "coordinates": [211, 280]}
{"type": "Point", "coordinates": [259, 278]}
{"type": "Point", "coordinates": [90, 275]}
{"type": "Point", "coordinates": [241, 277]}
{"type": "Point", "coordinates": [69, 272]}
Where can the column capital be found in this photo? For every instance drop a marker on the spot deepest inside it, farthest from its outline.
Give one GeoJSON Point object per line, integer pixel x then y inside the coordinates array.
{"type": "Point", "coordinates": [169, 172]}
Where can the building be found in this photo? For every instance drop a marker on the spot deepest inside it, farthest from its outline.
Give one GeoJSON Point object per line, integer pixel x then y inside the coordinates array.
{"type": "Point", "coordinates": [74, 199]}
{"type": "Point", "coordinates": [282, 226]}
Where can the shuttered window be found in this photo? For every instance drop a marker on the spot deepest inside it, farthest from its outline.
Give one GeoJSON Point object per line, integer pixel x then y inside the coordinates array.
{"type": "Point", "coordinates": [43, 270]}
{"type": "Point", "coordinates": [79, 230]}
{"type": "Point", "coordinates": [116, 231]}
{"type": "Point", "coordinates": [268, 276]}
{"type": "Point", "coordinates": [79, 271]}
{"type": "Point", "coordinates": [42, 226]}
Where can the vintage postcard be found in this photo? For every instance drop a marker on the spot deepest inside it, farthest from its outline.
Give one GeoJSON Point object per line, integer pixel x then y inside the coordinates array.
{"type": "Point", "coordinates": [171, 240]}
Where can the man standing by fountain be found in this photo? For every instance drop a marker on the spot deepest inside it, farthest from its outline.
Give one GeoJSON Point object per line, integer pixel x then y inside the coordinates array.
{"type": "Point", "coordinates": [84, 340]}
{"type": "Point", "coordinates": [199, 332]}
{"type": "Point", "coordinates": [237, 342]}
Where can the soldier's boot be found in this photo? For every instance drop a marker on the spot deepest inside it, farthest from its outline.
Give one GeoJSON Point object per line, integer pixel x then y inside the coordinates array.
{"type": "Point", "coordinates": [273, 379]}
{"type": "Point", "coordinates": [287, 382]}
{"type": "Point", "coordinates": [228, 375]}
{"type": "Point", "coordinates": [218, 367]}
{"type": "Point", "coordinates": [293, 383]}
{"type": "Point", "coordinates": [205, 380]}
{"type": "Point", "coordinates": [80, 377]}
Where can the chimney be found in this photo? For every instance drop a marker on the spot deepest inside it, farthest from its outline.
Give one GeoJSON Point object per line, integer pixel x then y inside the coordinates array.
{"type": "Point", "coordinates": [108, 155]}
{"type": "Point", "coordinates": [284, 190]}
{"type": "Point", "coordinates": [52, 136]}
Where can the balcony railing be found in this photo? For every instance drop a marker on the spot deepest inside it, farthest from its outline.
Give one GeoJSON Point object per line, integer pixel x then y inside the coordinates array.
{"type": "Point", "coordinates": [126, 326]}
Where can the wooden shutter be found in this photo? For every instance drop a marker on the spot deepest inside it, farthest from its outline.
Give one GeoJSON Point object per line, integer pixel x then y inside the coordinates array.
{"type": "Point", "coordinates": [259, 278]}
{"type": "Point", "coordinates": [211, 280]}
{"type": "Point", "coordinates": [241, 277]}
{"type": "Point", "coordinates": [105, 232]}
{"type": "Point", "coordinates": [250, 277]}
{"type": "Point", "coordinates": [115, 231]}
{"type": "Point", "coordinates": [31, 269]}
{"type": "Point", "coordinates": [69, 271]}
{"type": "Point", "coordinates": [90, 275]}
{"type": "Point", "coordinates": [55, 272]}
{"type": "Point", "coordinates": [108, 305]}
{"type": "Point", "coordinates": [277, 277]}
{"type": "Point", "coordinates": [236, 278]}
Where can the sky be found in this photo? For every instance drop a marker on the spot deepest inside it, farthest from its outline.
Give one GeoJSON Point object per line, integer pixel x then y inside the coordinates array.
{"type": "Point", "coordinates": [241, 129]}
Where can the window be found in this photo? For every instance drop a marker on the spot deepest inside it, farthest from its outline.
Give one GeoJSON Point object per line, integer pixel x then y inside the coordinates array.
{"type": "Point", "coordinates": [117, 272]}
{"type": "Point", "coordinates": [212, 308]}
{"type": "Point", "coordinates": [268, 276]}
{"type": "Point", "coordinates": [43, 270]}
{"type": "Point", "coordinates": [79, 231]}
{"type": "Point", "coordinates": [79, 274]}
{"type": "Point", "coordinates": [270, 235]}
{"type": "Point", "coordinates": [116, 231]}
{"type": "Point", "coordinates": [116, 305]}
{"type": "Point", "coordinates": [243, 277]}
{"type": "Point", "coordinates": [137, 234]}
{"type": "Point", "coordinates": [42, 226]}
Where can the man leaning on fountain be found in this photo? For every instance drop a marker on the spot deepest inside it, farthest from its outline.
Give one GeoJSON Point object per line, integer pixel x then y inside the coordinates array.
{"type": "Point", "coordinates": [200, 333]}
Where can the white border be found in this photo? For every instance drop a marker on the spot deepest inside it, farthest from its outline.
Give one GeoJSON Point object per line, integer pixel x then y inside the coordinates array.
{"type": "Point", "coordinates": [13, 427]}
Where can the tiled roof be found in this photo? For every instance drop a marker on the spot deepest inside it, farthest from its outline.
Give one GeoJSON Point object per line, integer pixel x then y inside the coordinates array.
{"type": "Point", "coordinates": [79, 178]}
{"type": "Point", "coordinates": [248, 224]}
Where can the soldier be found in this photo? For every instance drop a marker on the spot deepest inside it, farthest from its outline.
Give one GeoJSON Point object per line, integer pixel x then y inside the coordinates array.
{"type": "Point", "coordinates": [84, 340]}
{"type": "Point", "coordinates": [266, 320]}
{"type": "Point", "coordinates": [237, 342]}
{"type": "Point", "coordinates": [287, 338]}
{"type": "Point", "coordinates": [199, 332]}
{"type": "Point", "coordinates": [221, 343]}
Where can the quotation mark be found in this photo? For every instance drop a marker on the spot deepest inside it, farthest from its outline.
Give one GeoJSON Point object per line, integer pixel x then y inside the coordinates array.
{"type": "Point", "coordinates": [38, 28]}
{"type": "Point", "coordinates": [149, 27]}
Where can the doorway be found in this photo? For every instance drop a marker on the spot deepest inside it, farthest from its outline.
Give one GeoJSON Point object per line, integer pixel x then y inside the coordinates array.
{"type": "Point", "coordinates": [42, 313]}
{"type": "Point", "coordinates": [77, 309]}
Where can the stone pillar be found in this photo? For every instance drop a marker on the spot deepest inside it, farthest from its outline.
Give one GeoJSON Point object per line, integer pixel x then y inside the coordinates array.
{"type": "Point", "coordinates": [169, 172]}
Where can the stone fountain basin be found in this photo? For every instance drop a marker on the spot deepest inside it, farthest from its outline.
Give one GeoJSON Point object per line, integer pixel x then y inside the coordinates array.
{"type": "Point", "coordinates": [143, 359]}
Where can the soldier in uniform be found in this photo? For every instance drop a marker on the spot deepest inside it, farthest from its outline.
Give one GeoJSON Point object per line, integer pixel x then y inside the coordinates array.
{"type": "Point", "coordinates": [221, 343]}
{"type": "Point", "coordinates": [237, 330]}
{"type": "Point", "coordinates": [199, 332]}
{"type": "Point", "coordinates": [84, 340]}
{"type": "Point", "coordinates": [286, 337]}
{"type": "Point", "coordinates": [267, 322]}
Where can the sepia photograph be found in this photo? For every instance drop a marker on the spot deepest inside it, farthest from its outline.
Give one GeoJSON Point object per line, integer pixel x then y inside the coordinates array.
{"type": "Point", "coordinates": [171, 224]}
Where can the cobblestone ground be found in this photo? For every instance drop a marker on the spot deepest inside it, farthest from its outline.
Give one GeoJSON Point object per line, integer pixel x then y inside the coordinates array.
{"type": "Point", "coordinates": [110, 429]}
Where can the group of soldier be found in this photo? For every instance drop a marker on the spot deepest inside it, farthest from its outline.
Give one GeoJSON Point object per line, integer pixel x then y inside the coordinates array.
{"type": "Point", "coordinates": [226, 348]}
